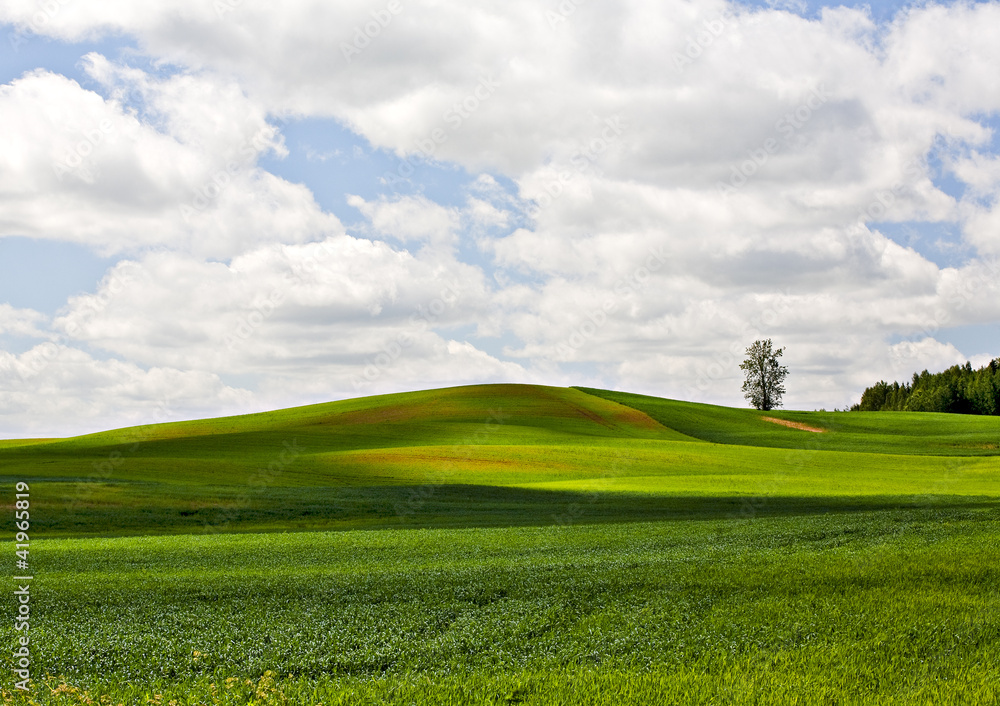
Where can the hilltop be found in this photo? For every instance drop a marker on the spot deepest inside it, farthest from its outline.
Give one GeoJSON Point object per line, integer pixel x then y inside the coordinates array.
{"type": "Point", "coordinates": [495, 454]}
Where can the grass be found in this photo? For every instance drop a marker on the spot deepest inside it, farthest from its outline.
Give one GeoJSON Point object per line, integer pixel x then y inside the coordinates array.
{"type": "Point", "coordinates": [488, 455]}
{"type": "Point", "coordinates": [507, 544]}
{"type": "Point", "coordinates": [910, 433]}
{"type": "Point", "coordinates": [875, 607]}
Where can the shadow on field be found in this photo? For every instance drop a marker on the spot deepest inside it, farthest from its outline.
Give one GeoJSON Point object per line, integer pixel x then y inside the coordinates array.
{"type": "Point", "coordinates": [110, 509]}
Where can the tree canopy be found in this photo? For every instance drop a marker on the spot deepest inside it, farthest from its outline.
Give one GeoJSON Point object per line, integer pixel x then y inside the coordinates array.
{"type": "Point", "coordinates": [765, 377]}
{"type": "Point", "coordinates": [959, 390]}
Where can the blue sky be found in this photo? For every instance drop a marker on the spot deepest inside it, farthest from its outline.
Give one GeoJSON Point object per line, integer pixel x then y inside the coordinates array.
{"type": "Point", "coordinates": [143, 283]}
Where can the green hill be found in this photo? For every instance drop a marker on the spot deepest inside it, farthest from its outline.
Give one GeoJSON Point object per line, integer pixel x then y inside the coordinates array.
{"type": "Point", "coordinates": [923, 433]}
{"type": "Point", "coordinates": [496, 454]}
{"type": "Point", "coordinates": [573, 546]}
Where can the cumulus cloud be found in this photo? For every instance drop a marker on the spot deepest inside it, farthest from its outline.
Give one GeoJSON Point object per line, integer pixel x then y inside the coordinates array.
{"type": "Point", "coordinates": [331, 319]}
{"type": "Point", "coordinates": [81, 394]}
{"type": "Point", "coordinates": [21, 322]}
{"type": "Point", "coordinates": [86, 168]}
{"type": "Point", "coordinates": [410, 218]}
{"type": "Point", "coordinates": [658, 184]}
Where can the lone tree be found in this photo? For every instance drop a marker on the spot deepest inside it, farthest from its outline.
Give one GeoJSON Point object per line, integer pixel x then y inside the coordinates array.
{"type": "Point", "coordinates": [765, 377]}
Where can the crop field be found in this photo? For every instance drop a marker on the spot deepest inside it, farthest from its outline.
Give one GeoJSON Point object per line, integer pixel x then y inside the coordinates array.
{"type": "Point", "coordinates": [513, 544]}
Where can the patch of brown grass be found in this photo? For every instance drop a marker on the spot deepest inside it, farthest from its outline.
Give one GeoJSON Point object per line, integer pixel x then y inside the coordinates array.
{"type": "Point", "coordinates": [794, 425]}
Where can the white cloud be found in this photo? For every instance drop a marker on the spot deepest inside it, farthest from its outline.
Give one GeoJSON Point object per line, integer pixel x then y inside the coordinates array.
{"type": "Point", "coordinates": [486, 215]}
{"type": "Point", "coordinates": [946, 55]}
{"type": "Point", "coordinates": [339, 318]}
{"type": "Point", "coordinates": [982, 229]}
{"type": "Point", "coordinates": [407, 218]}
{"type": "Point", "coordinates": [78, 167]}
{"type": "Point", "coordinates": [81, 394]}
{"type": "Point", "coordinates": [616, 124]}
{"type": "Point", "coordinates": [21, 322]}
{"type": "Point", "coordinates": [182, 311]}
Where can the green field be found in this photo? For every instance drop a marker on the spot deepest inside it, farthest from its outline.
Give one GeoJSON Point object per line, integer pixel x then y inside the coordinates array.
{"type": "Point", "coordinates": [506, 544]}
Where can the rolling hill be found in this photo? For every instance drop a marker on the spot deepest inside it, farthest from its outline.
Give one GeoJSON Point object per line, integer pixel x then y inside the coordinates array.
{"type": "Point", "coordinates": [497, 454]}
{"type": "Point", "coordinates": [503, 544]}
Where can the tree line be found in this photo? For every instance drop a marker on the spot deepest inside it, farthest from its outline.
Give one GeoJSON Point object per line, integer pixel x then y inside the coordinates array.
{"type": "Point", "coordinates": [959, 390]}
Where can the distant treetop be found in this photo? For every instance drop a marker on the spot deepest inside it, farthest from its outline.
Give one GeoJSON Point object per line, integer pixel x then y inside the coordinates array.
{"type": "Point", "coordinates": [959, 389]}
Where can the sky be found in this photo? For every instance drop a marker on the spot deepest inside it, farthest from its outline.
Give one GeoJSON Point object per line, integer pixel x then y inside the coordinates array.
{"type": "Point", "coordinates": [228, 206]}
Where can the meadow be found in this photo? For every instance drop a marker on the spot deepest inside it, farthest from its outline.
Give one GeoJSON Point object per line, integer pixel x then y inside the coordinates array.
{"type": "Point", "coordinates": [515, 544]}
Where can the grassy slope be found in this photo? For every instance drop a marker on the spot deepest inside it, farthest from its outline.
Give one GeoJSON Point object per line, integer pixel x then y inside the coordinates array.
{"type": "Point", "coordinates": [236, 473]}
{"type": "Point", "coordinates": [214, 450]}
{"type": "Point", "coordinates": [851, 601]}
{"type": "Point", "coordinates": [894, 433]}
{"type": "Point", "coordinates": [489, 454]}
{"type": "Point", "coordinates": [876, 608]}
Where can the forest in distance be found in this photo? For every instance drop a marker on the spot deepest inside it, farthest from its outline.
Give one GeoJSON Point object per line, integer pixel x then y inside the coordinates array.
{"type": "Point", "coordinates": [958, 390]}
